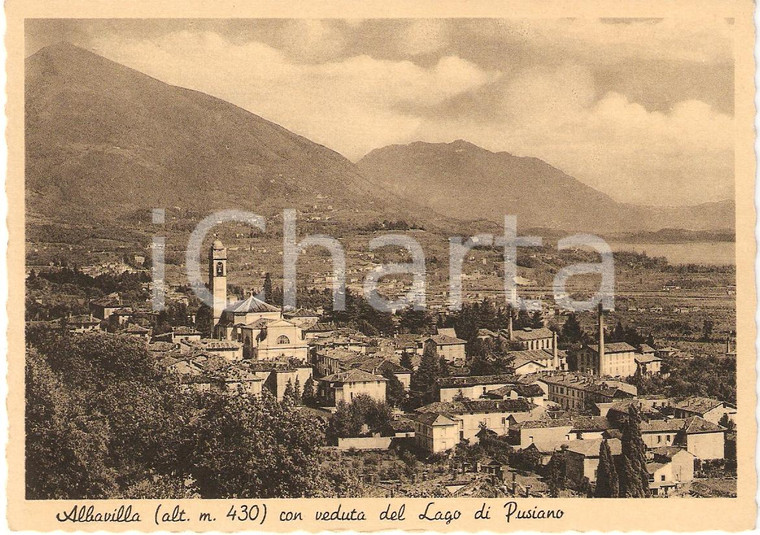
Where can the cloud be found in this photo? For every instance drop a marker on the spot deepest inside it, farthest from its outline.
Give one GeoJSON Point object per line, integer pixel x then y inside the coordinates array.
{"type": "Point", "coordinates": [605, 41]}
{"type": "Point", "coordinates": [423, 36]}
{"type": "Point", "coordinates": [352, 105]}
{"type": "Point", "coordinates": [681, 156]}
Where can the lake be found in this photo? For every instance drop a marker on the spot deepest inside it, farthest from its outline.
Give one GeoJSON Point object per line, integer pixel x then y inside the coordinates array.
{"type": "Point", "coordinates": [712, 253]}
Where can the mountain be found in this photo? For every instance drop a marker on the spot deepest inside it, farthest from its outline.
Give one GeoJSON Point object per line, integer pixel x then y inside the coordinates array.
{"type": "Point", "coordinates": [463, 180]}
{"type": "Point", "coordinates": [106, 141]}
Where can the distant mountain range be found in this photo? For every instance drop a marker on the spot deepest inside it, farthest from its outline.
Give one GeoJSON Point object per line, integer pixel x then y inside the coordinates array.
{"type": "Point", "coordinates": [462, 180]}
{"type": "Point", "coordinates": [104, 141]}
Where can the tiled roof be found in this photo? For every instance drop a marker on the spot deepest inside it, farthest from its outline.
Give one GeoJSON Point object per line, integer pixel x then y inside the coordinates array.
{"type": "Point", "coordinates": [251, 305]}
{"type": "Point", "coordinates": [646, 359]}
{"type": "Point", "coordinates": [591, 423]}
{"type": "Point", "coordinates": [697, 405]}
{"type": "Point", "coordinates": [354, 375]}
{"type": "Point", "coordinates": [590, 448]}
{"type": "Point", "coordinates": [445, 340]}
{"type": "Point", "coordinates": [527, 391]}
{"type": "Point", "coordinates": [695, 424]}
{"type": "Point", "coordinates": [433, 418]}
{"type": "Point", "coordinates": [662, 426]}
{"type": "Point", "coordinates": [526, 334]}
{"type": "Point", "coordinates": [613, 347]}
{"type": "Point", "coordinates": [473, 380]}
{"type": "Point", "coordinates": [544, 423]}
{"type": "Point", "coordinates": [478, 406]}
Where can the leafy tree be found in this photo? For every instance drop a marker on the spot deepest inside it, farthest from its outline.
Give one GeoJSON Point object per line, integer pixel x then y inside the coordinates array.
{"type": "Point", "coordinates": [394, 392]}
{"type": "Point", "coordinates": [268, 295]}
{"type": "Point", "coordinates": [309, 396]}
{"type": "Point", "coordinates": [245, 447]}
{"type": "Point", "coordinates": [634, 478]}
{"type": "Point", "coordinates": [351, 419]}
{"type": "Point", "coordinates": [571, 332]}
{"type": "Point", "coordinates": [537, 319]}
{"type": "Point", "coordinates": [406, 361]}
{"type": "Point", "coordinates": [556, 473]}
{"type": "Point", "coordinates": [707, 329]}
{"type": "Point", "coordinates": [618, 335]}
{"type": "Point", "coordinates": [204, 320]}
{"type": "Point", "coordinates": [424, 377]}
{"type": "Point", "coordinates": [289, 394]}
{"type": "Point", "coordinates": [607, 485]}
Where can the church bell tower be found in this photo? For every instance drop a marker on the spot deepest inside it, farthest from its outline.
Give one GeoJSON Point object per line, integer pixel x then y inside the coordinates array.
{"type": "Point", "coordinates": [218, 279]}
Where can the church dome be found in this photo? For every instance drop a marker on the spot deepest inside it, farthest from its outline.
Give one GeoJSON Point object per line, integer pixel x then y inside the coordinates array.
{"type": "Point", "coordinates": [218, 244]}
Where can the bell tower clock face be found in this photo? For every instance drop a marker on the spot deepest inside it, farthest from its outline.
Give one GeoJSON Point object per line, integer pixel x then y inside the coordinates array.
{"type": "Point", "coordinates": [220, 269]}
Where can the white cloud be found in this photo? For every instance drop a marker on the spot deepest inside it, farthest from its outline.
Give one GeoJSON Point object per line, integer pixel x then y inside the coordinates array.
{"type": "Point", "coordinates": [352, 105]}
{"type": "Point", "coordinates": [423, 36]}
{"type": "Point", "coordinates": [612, 144]}
{"type": "Point", "coordinates": [596, 41]}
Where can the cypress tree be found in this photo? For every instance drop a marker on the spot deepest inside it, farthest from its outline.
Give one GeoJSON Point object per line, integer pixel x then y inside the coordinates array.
{"type": "Point", "coordinates": [607, 485]}
{"type": "Point", "coordinates": [634, 478]}
{"type": "Point", "coordinates": [424, 378]}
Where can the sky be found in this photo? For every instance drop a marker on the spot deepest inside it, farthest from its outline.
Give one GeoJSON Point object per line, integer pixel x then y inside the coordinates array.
{"type": "Point", "coordinates": [640, 109]}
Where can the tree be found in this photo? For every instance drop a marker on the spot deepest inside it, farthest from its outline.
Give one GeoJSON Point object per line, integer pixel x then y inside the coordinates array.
{"type": "Point", "coordinates": [571, 332]}
{"type": "Point", "coordinates": [245, 447]}
{"type": "Point", "coordinates": [406, 361]}
{"type": "Point", "coordinates": [537, 319]}
{"type": "Point", "coordinates": [309, 396]}
{"type": "Point", "coordinates": [297, 394]}
{"type": "Point", "coordinates": [607, 485]}
{"type": "Point", "coordinates": [556, 473]}
{"type": "Point", "coordinates": [707, 329]}
{"type": "Point", "coordinates": [424, 378]}
{"type": "Point", "coordinates": [634, 478]}
{"type": "Point", "coordinates": [204, 320]}
{"type": "Point", "coordinates": [618, 335]}
{"type": "Point", "coordinates": [289, 394]}
{"type": "Point", "coordinates": [268, 288]}
{"type": "Point", "coordinates": [394, 390]}
{"type": "Point", "coordinates": [352, 419]}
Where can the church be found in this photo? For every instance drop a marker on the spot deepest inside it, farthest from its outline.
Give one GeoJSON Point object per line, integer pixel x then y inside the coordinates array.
{"type": "Point", "coordinates": [259, 326]}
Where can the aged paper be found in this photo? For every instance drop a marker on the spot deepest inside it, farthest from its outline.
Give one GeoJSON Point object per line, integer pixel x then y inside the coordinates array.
{"type": "Point", "coordinates": [368, 266]}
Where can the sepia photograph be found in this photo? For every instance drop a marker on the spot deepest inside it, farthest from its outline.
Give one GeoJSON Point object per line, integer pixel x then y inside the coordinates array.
{"type": "Point", "coordinates": [418, 258]}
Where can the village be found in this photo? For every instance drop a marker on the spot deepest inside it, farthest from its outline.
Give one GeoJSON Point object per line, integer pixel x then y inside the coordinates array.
{"type": "Point", "coordinates": [501, 410]}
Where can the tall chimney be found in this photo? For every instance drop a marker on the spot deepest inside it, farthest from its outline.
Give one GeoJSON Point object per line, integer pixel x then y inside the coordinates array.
{"type": "Point", "coordinates": [601, 337]}
{"type": "Point", "coordinates": [510, 324]}
{"type": "Point", "coordinates": [555, 351]}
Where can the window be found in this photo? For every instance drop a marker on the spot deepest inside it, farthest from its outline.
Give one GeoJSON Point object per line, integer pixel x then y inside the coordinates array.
{"type": "Point", "coordinates": [220, 269]}
{"type": "Point", "coordinates": [659, 438]}
{"type": "Point", "coordinates": [662, 477]}
{"type": "Point", "coordinates": [283, 339]}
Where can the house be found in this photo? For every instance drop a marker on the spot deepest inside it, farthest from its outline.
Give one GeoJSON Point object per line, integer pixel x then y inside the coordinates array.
{"type": "Point", "coordinates": [650, 408]}
{"type": "Point", "coordinates": [704, 439]}
{"type": "Point", "coordinates": [328, 361]}
{"type": "Point", "coordinates": [138, 331]}
{"type": "Point", "coordinates": [579, 392]}
{"type": "Point", "coordinates": [669, 468]}
{"type": "Point", "coordinates": [528, 361]}
{"type": "Point", "coordinates": [590, 427]}
{"type": "Point", "coordinates": [617, 359]}
{"type": "Point", "coordinates": [435, 432]}
{"type": "Point", "coordinates": [276, 375]}
{"type": "Point", "coordinates": [230, 350]}
{"type": "Point", "coordinates": [450, 348]}
{"type": "Point", "coordinates": [471, 386]}
{"type": "Point", "coordinates": [81, 324]}
{"type": "Point", "coordinates": [530, 339]}
{"type": "Point", "coordinates": [531, 392]}
{"type": "Point", "coordinates": [710, 409]}
{"type": "Point", "coordinates": [657, 433]}
{"type": "Point", "coordinates": [648, 364]}
{"type": "Point", "coordinates": [582, 458]}
{"type": "Point", "coordinates": [103, 308]}
{"type": "Point", "coordinates": [380, 365]}
{"type": "Point", "coordinates": [548, 432]}
{"type": "Point", "coordinates": [476, 414]}
{"type": "Point", "coordinates": [345, 386]}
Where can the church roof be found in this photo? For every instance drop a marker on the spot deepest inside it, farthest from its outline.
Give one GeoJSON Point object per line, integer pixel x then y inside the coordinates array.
{"type": "Point", "coordinates": [218, 245]}
{"type": "Point", "coordinates": [251, 305]}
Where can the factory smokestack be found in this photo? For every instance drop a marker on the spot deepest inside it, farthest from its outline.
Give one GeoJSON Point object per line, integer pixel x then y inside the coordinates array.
{"type": "Point", "coordinates": [600, 324]}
